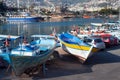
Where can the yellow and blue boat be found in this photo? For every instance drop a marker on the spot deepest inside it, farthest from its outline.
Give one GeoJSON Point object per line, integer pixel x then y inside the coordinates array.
{"type": "Point", "coordinates": [76, 46]}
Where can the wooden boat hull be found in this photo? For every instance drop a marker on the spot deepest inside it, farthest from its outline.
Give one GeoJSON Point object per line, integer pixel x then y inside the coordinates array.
{"type": "Point", "coordinates": [5, 57]}
{"type": "Point", "coordinates": [82, 55]}
{"type": "Point", "coordinates": [78, 50]}
{"type": "Point", "coordinates": [22, 63]}
{"type": "Point", "coordinates": [29, 19]}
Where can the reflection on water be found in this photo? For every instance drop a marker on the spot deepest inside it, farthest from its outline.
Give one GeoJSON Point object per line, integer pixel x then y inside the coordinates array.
{"type": "Point", "coordinates": [30, 28]}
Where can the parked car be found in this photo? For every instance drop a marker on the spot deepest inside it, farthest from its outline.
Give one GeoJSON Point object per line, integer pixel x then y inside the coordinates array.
{"type": "Point", "coordinates": [109, 40]}
{"type": "Point", "coordinates": [117, 35]}
{"type": "Point", "coordinates": [95, 41]}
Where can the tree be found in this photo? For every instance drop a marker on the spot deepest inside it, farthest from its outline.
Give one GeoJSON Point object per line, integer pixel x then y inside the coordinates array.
{"type": "Point", "coordinates": [108, 11]}
{"type": "Point", "coordinates": [3, 7]}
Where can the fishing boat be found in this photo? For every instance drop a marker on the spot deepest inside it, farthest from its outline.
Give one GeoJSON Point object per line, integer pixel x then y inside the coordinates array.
{"type": "Point", "coordinates": [10, 37]}
{"type": "Point", "coordinates": [5, 46]}
{"type": "Point", "coordinates": [30, 55]}
{"type": "Point", "coordinates": [22, 16]}
{"type": "Point", "coordinates": [76, 46]}
{"type": "Point", "coordinates": [48, 40]}
{"type": "Point", "coordinates": [4, 51]}
{"type": "Point", "coordinates": [86, 16]}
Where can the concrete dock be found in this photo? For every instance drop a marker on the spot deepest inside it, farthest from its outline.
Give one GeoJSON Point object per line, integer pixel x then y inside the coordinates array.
{"type": "Point", "coordinates": [104, 65]}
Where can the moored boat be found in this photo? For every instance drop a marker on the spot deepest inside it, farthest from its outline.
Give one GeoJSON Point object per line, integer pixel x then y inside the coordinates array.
{"type": "Point", "coordinates": [86, 16]}
{"type": "Point", "coordinates": [27, 55]}
{"type": "Point", "coordinates": [5, 46]}
{"type": "Point", "coordinates": [23, 16]}
{"type": "Point", "coordinates": [76, 46]}
{"type": "Point", "coordinates": [48, 40]}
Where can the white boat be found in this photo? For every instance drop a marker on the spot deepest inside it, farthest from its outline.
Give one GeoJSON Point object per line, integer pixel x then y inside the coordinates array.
{"type": "Point", "coordinates": [22, 16]}
{"type": "Point", "coordinates": [76, 46]}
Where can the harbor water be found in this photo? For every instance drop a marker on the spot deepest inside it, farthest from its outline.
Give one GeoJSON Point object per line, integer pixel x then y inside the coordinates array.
{"type": "Point", "coordinates": [30, 28]}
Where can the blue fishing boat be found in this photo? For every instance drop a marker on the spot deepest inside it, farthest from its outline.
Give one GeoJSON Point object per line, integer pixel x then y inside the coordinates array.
{"type": "Point", "coordinates": [29, 55]}
{"type": "Point", "coordinates": [23, 16]}
{"type": "Point", "coordinates": [5, 46]}
{"type": "Point", "coordinates": [76, 46]}
{"type": "Point", "coordinates": [47, 40]}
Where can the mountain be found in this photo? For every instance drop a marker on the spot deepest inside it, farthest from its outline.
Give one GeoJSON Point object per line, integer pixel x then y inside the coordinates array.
{"type": "Point", "coordinates": [43, 2]}
{"type": "Point", "coordinates": [68, 3]}
{"type": "Point", "coordinates": [100, 3]}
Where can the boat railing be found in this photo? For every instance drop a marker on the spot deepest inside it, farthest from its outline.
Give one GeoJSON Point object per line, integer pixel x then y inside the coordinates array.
{"type": "Point", "coordinates": [17, 16]}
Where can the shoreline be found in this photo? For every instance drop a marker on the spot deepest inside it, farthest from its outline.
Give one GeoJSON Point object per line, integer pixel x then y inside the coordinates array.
{"type": "Point", "coordinates": [68, 67]}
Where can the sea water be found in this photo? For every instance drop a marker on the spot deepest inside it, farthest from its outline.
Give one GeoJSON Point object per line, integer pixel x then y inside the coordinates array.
{"type": "Point", "coordinates": [46, 27]}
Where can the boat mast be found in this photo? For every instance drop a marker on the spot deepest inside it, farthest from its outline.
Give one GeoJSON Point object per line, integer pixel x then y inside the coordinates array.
{"type": "Point", "coordinates": [119, 13]}
{"type": "Point", "coordinates": [28, 6]}
{"type": "Point", "coordinates": [18, 6]}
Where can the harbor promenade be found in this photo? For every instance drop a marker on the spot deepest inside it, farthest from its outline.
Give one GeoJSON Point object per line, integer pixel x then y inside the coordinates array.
{"type": "Point", "coordinates": [104, 65]}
